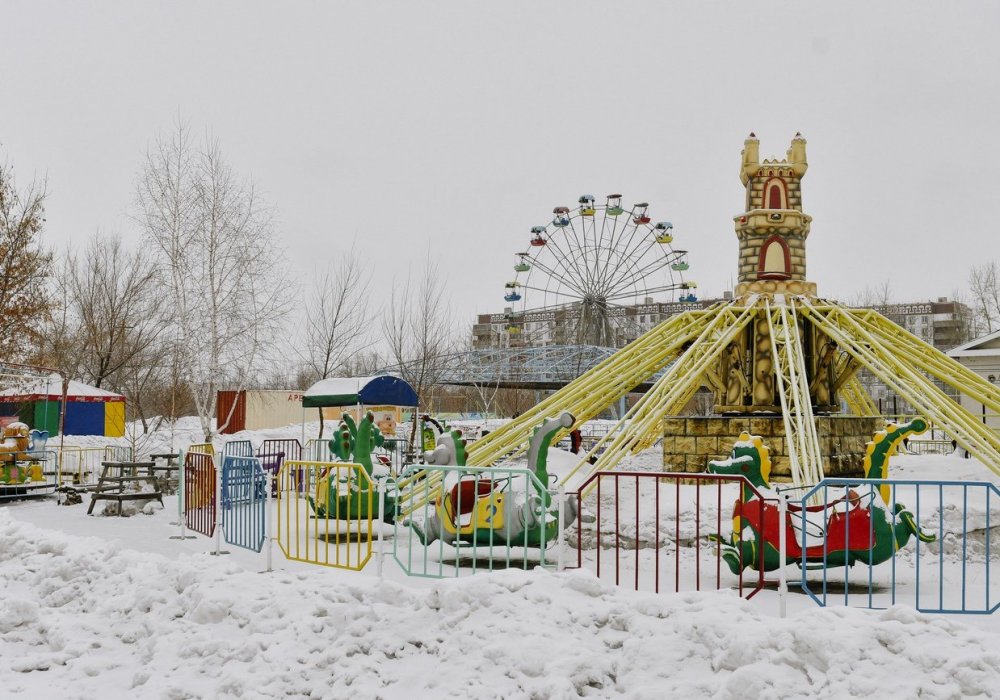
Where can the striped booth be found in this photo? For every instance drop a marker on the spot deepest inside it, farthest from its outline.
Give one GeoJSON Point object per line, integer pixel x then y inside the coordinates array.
{"type": "Point", "coordinates": [89, 410]}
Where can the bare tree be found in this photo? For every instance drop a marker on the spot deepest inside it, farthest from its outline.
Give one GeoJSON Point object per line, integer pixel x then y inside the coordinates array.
{"type": "Point", "coordinates": [214, 239]}
{"type": "Point", "coordinates": [24, 265]}
{"type": "Point", "coordinates": [984, 287]}
{"type": "Point", "coordinates": [112, 291]}
{"type": "Point", "coordinates": [108, 325]}
{"type": "Point", "coordinates": [338, 319]}
{"type": "Point", "coordinates": [872, 297]}
{"type": "Point", "coordinates": [418, 332]}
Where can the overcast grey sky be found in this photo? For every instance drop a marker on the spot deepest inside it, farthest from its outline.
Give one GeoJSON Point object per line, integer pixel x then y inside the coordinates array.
{"type": "Point", "coordinates": [456, 126]}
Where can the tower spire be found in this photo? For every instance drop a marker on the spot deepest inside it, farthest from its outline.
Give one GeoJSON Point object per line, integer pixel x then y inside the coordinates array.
{"type": "Point", "coordinates": [772, 231]}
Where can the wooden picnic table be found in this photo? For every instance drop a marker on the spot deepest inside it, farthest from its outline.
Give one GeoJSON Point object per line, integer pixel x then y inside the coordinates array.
{"type": "Point", "coordinates": [115, 476]}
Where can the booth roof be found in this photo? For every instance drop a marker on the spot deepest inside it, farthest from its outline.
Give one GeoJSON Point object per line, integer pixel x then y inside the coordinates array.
{"type": "Point", "coordinates": [350, 391]}
{"type": "Point", "coordinates": [51, 390]}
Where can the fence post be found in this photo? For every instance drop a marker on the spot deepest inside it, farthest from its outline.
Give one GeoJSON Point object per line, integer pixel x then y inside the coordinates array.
{"type": "Point", "coordinates": [181, 486]}
{"type": "Point", "coordinates": [380, 490]}
{"type": "Point", "coordinates": [782, 548]}
{"type": "Point", "coordinates": [561, 529]}
{"type": "Point", "coordinates": [218, 506]}
{"type": "Point", "coordinates": [268, 519]}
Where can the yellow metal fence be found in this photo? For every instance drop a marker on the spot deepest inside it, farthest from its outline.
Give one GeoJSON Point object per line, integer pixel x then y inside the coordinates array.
{"type": "Point", "coordinates": [325, 513]}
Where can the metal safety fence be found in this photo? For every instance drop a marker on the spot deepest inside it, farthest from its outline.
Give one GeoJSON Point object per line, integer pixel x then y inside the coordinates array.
{"type": "Point", "coordinates": [80, 465]}
{"type": "Point", "coordinates": [661, 531]}
{"type": "Point", "coordinates": [875, 543]}
{"type": "Point", "coordinates": [928, 447]}
{"type": "Point", "coordinates": [318, 450]}
{"type": "Point", "coordinates": [273, 453]}
{"type": "Point", "coordinates": [390, 453]}
{"type": "Point", "coordinates": [205, 448]}
{"type": "Point", "coordinates": [118, 453]}
{"type": "Point", "coordinates": [325, 513]}
{"type": "Point", "coordinates": [200, 493]}
{"type": "Point", "coordinates": [238, 448]}
{"type": "Point", "coordinates": [244, 502]}
{"type": "Point", "coordinates": [451, 520]}
{"type": "Point", "coordinates": [27, 473]}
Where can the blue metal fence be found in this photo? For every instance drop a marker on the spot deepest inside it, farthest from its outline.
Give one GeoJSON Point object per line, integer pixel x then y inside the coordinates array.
{"type": "Point", "coordinates": [928, 544]}
{"type": "Point", "coordinates": [244, 502]}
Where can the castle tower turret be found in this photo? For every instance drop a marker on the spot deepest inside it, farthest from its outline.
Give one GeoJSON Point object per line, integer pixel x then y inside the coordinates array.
{"type": "Point", "coordinates": [773, 230]}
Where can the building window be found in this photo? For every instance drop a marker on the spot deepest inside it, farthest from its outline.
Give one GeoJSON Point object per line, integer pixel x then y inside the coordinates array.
{"type": "Point", "coordinates": [774, 194]}
{"type": "Point", "coordinates": [775, 261]}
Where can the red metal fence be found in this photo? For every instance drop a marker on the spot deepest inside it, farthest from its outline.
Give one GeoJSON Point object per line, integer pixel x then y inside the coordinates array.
{"type": "Point", "coordinates": [661, 531]}
{"type": "Point", "coordinates": [199, 493]}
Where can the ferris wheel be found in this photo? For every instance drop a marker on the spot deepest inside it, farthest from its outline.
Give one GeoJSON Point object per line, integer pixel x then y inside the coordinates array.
{"type": "Point", "coordinates": [585, 275]}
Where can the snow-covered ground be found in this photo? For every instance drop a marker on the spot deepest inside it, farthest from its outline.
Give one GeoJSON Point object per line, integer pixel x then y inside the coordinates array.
{"type": "Point", "coordinates": [106, 607]}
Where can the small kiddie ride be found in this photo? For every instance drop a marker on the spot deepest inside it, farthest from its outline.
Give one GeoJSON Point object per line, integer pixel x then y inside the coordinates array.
{"type": "Point", "coordinates": [20, 454]}
{"type": "Point", "coordinates": [486, 511]}
{"type": "Point", "coordinates": [348, 498]}
{"type": "Point", "coordinates": [856, 528]}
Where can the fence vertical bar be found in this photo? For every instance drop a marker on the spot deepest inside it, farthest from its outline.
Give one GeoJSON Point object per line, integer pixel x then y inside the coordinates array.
{"type": "Point", "coordinates": [941, 546]}
{"type": "Point", "coordinates": [618, 530]}
{"type": "Point", "coordinates": [561, 530]}
{"type": "Point", "coordinates": [599, 480]}
{"type": "Point", "coordinates": [381, 486]}
{"type": "Point", "coordinates": [847, 538]}
{"type": "Point", "coordinates": [892, 509]}
{"type": "Point", "coordinates": [782, 548]}
{"type": "Point", "coordinates": [718, 529]}
{"type": "Point", "coordinates": [916, 601]}
{"type": "Point", "coordinates": [697, 536]}
{"type": "Point", "coordinates": [677, 536]}
{"type": "Point", "coordinates": [656, 539]}
{"type": "Point", "coordinates": [965, 515]}
{"type": "Point", "coordinates": [871, 544]}
{"type": "Point", "coordinates": [637, 532]}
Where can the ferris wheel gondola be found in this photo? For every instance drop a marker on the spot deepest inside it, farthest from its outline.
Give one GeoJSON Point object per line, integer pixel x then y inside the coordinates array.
{"type": "Point", "coordinates": [593, 266]}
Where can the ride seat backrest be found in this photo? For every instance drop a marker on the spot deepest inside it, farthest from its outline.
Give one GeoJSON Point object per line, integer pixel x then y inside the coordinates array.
{"type": "Point", "coordinates": [466, 492]}
{"type": "Point", "coordinates": [272, 462]}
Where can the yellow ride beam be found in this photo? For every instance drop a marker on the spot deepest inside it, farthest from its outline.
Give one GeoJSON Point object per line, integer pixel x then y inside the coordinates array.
{"type": "Point", "coordinates": [881, 357]}
{"type": "Point", "coordinates": [857, 398]}
{"type": "Point", "coordinates": [931, 360]}
{"type": "Point", "coordinates": [643, 422]}
{"type": "Point", "coordinates": [793, 391]}
{"type": "Point", "coordinates": [598, 388]}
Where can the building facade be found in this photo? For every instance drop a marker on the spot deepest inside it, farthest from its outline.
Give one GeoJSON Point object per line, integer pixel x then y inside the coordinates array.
{"type": "Point", "coordinates": [561, 327]}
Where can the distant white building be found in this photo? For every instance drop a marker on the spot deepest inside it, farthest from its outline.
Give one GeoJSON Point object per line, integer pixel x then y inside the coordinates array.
{"type": "Point", "coordinates": [943, 324]}
{"type": "Point", "coordinates": [982, 356]}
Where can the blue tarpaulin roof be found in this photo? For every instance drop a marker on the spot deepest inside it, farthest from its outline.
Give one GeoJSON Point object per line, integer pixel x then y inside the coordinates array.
{"type": "Point", "coordinates": [383, 390]}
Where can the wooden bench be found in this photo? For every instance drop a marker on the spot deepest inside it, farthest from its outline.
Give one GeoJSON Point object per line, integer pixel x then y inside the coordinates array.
{"type": "Point", "coordinates": [111, 487]}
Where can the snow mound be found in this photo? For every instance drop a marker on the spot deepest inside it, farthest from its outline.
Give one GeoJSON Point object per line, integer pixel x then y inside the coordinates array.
{"type": "Point", "coordinates": [83, 618]}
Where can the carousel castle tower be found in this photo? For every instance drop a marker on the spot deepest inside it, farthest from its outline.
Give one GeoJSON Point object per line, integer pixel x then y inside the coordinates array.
{"type": "Point", "coordinates": [772, 231]}
{"type": "Point", "coordinates": [772, 235]}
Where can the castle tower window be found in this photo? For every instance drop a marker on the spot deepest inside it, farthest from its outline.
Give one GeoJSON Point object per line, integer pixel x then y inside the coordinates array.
{"type": "Point", "coordinates": [774, 194]}
{"type": "Point", "coordinates": [775, 261]}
